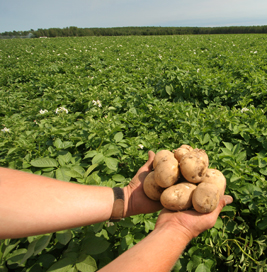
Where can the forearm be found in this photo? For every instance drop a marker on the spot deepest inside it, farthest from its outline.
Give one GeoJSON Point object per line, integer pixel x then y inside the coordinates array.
{"type": "Point", "coordinates": [31, 204]}
{"type": "Point", "coordinates": [158, 252]}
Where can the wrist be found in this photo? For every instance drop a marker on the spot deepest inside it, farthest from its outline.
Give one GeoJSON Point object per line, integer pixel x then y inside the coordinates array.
{"type": "Point", "coordinates": [176, 229]}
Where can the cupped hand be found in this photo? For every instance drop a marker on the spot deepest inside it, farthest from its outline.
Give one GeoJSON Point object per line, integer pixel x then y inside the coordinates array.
{"type": "Point", "coordinates": [136, 202]}
{"type": "Point", "coordinates": [190, 222]}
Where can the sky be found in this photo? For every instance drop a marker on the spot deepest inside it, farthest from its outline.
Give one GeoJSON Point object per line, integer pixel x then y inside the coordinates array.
{"type": "Point", "coordinates": [23, 15]}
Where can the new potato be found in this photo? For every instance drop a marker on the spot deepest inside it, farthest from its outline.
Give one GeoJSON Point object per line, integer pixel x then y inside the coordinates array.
{"type": "Point", "coordinates": [194, 165]}
{"type": "Point", "coordinates": [178, 197]}
{"type": "Point", "coordinates": [206, 197]}
{"type": "Point", "coordinates": [162, 155]}
{"type": "Point", "coordinates": [214, 176]}
{"type": "Point", "coordinates": [151, 188]}
{"type": "Point", "coordinates": [181, 151]}
{"type": "Point", "coordinates": [166, 172]}
{"type": "Point", "coordinates": [182, 180]}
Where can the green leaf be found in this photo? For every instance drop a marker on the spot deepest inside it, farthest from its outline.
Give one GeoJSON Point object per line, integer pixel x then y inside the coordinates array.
{"type": "Point", "coordinates": [64, 159]}
{"type": "Point", "coordinates": [118, 178]}
{"type": "Point", "coordinates": [76, 171]}
{"type": "Point", "coordinates": [202, 268]}
{"type": "Point", "coordinates": [64, 236]}
{"type": "Point", "coordinates": [229, 208]}
{"type": "Point", "coordinates": [29, 252]}
{"type": "Point", "coordinates": [44, 162]}
{"type": "Point", "coordinates": [62, 174]}
{"type": "Point", "coordinates": [66, 145]}
{"type": "Point", "coordinates": [98, 158]}
{"type": "Point", "coordinates": [236, 149]}
{"type": "Point", "coordinates": [219, 223]}
{"type": "Point", "coordinates": [149, 225]}
{"type": "Point", "coordinates": [169, 89]}
{"type": "Point", "coordinates": [126, 223]}
{"type": "Point", "coordinates": [229, 146]}
{"type": "Point", "coordinates": [58, 143]}
{"type": "Point", "coordinates": [16, 256]}
{"type": "Point", "coordinates": [11, 150]}
{"type": "Point", "coordinates": [63, 265]}
{"type": "Point", "coordinates": [118, 137]}
{"type": "Point", "coordinates": [112, 163]}
{"type": "Point", "coordinates": [241, 156]}
{"type": "Point", "coordinates": [226, 152]}
{"type": "Point", "coordinates": [86, 263]}
{"type": "Point", "coordinates": [263, 171]}
{"type": "Point", "coordinates": [46, 260]}
{"type": "Point", "coordinates": [90, 169]}
{"type": "Point", "coordinates": [42, 243]}
{"type": "Point", "coordinates": [262, 225]}
{"type": "Point", "coordinates": [94, 245]}
{"type": "Point", "coordinates": [62, 145]}
{"type": "Point", "coordinates": [206, 139]}
{"type": "Point", "coordinates": [111, 152]}
{"type": "Point", "coordinates": [90, 154]}
{"type": "Point", "coordinates": [9, 248]}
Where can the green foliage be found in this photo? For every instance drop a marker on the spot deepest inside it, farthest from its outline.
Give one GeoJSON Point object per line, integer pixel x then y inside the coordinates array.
{"type": "Point", "coordinates": [126, 31]}
{"type": "Point", "coordinates": [87, 110]}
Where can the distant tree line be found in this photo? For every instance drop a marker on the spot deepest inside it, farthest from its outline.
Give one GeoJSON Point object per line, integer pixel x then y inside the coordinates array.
{"type": "Point", "coordinates": [127, 31]}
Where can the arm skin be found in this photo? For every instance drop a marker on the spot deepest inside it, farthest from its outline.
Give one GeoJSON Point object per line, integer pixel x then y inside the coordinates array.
{"type": "Point", "coordinates": [31, 204]}
{"type": "Point", "coordinates": [159, 251]}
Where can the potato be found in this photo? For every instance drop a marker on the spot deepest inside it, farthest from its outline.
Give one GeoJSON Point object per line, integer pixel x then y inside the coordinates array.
{"type": "Point", "coordinates": [166, 172]}
{"type": "Point", "coordinates": [216, 177]}
{"type": "Point", "coordinates": [162, 155]}
{"type": "Point", "coordinates": [181, 151]}
{"type": "Point", "coordinates": [178, 197]}
{"type": "Point", "coordinates": [151, 188]}
{"type": "Point", "coordinates": [206, 197]}
{"type": "Point", "coordinates": [194, 165]}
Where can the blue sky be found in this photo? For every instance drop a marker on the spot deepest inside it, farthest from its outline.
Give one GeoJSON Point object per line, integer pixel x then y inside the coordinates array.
{"type": "Point", "coordinates": [33, 14]}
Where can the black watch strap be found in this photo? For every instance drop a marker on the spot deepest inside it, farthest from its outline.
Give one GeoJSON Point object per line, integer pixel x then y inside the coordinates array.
{"type": "Point", "coordinates": [118, 206]}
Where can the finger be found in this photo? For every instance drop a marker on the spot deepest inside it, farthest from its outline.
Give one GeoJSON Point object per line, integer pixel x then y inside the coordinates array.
{"type": "Point", "coordinates": [228, 199]}
{"type": "Point", "coordinates": [148, 166]}
{"type": "Point", "coordinates": [225, 200]}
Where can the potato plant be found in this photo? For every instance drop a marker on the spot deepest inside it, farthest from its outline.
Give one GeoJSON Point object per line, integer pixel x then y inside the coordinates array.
{"type": "Point", "coordinates": [125, 96]}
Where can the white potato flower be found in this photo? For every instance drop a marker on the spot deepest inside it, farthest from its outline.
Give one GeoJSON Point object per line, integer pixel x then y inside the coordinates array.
{"type": "Point", "coordinates": [5, 129]}
{"type": "Point", "coordinates": [61, 109]}
{"type": "Point", "coordinates": [244, 109]}
{"type": "Point", "coordinates": [43, 111]}
{"type": "Point", "coordinates": [98, 103]}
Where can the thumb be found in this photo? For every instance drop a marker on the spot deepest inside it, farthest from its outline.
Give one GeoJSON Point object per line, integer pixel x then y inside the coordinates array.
{"type": "Point", "coordinates": [149, 163]}
{"type": "Point", "coordinates": [225, 200]}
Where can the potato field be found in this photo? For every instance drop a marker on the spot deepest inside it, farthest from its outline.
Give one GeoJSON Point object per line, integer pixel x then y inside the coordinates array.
{"type": "Point", "coordinates": [89, 109]}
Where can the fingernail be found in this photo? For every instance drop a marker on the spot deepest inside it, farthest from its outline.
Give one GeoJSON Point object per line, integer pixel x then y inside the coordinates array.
{"type": "Point", "coordinates": [228, 199]}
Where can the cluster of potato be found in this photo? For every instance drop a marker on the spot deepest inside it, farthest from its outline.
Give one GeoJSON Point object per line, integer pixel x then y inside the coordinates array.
{"type": "Point", "coordinates": [182, 180]}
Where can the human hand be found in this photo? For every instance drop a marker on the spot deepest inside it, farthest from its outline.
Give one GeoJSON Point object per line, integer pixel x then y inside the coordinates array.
{"type": "Point", "coordinates": [136, 202]}
{"type": "Point", "coordinates": [190, 222]}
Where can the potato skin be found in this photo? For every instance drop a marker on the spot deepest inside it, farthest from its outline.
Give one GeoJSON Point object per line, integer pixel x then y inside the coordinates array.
{"type": "Point", "coordinates": [151, 188]}
{"type": "Point", "coordinates": [162, 155]}
{"type": "Point", "coordinates": [194, 165]}
{"type": "Point", "coordinates": [206, 197]}
{"type": "Point", "coordinates": [178, 197]}
{"type": "Point", "coordinates": [216, 177]}
{"type": "Point", "coordinates": [181, 151]}
{"type": "Point", "coordinates": [167, 172]}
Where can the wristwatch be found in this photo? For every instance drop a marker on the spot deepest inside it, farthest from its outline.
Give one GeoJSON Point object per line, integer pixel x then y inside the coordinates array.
{"type": "Point", "coordinates": [118, 205]}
